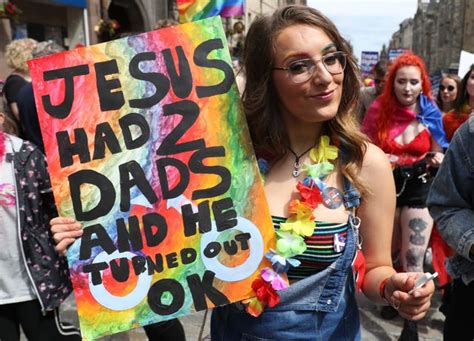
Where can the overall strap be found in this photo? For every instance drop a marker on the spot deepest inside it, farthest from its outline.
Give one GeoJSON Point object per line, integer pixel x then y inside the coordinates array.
{"type": "Point", "coordinates": [352, 201]}
{"type": "Point", "coordinates": [351, 195]}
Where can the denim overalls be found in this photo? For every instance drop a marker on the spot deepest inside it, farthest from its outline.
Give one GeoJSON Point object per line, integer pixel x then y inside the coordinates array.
{"type": "Point", "coordinates": [320, 307]}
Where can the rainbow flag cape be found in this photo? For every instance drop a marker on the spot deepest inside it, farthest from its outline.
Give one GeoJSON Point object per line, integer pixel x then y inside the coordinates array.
{"type": "Point", "coordinates": [192, 10]}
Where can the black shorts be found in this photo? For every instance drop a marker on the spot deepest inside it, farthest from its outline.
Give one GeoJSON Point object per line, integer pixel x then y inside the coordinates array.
{"type": "Point", "coordinates": [412, 191]}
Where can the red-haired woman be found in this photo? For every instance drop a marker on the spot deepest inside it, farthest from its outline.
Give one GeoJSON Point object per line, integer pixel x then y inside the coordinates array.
{"type": "Point", "coordinates": [407, 125]}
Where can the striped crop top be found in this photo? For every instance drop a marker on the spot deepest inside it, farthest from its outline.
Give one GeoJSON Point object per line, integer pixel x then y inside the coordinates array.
{"type": "Point", "coordinates": [323, 248]}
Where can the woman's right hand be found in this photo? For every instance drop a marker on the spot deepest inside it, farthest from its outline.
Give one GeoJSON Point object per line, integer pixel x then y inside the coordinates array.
{"type": "Point", "coordinates": [65, 231]}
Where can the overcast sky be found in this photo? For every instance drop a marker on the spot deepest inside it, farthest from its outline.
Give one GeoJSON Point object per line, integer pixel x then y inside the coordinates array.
{"type": "Point", "coordinates": [368, 24]}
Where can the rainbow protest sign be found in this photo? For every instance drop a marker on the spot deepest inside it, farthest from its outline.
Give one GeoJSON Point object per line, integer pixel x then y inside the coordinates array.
{"type": "Point", "coordinates": [148, 148]}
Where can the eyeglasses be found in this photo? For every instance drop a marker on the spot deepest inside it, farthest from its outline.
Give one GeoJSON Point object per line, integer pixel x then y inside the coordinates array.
{"type": "Point", "coordinates": [449, 88]}
{"type": "Point", "coordinates": [302, 70]}
{"type": "Point", "coordinates": [379, 81]}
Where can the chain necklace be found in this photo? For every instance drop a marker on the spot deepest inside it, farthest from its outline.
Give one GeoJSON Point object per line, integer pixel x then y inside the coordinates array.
{"type": "Point", "coordinates": [297, 165]}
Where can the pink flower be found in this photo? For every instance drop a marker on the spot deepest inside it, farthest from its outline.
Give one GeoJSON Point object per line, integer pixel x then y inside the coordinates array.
{"type": "Point", "coordinates": [276, 281]}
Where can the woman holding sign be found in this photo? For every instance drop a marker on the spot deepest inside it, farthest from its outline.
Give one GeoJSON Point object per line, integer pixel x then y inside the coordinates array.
{"type": "Point", "coordinates": [300, 99]}
{"type": "Point", "coordinates": [330, 191]}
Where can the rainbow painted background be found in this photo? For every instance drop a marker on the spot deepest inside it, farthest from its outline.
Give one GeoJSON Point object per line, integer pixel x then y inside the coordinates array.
{"type": "Point", "coordinates": [192, 10]}
{"type": "Point", "coordinates": [221, 123]}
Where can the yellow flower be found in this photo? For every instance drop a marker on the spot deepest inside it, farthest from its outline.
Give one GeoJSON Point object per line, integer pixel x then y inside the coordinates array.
{"type": "Point", "coordinates": [302, 227]}
{"type": "Point", "coordinates": [325, 151]}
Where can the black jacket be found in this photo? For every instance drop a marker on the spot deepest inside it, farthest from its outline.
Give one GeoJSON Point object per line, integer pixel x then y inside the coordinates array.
{"type": "Point", "coordinates": [46, 268]}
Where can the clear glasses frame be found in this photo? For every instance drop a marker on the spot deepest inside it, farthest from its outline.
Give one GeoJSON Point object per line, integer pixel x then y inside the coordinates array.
{"type": "Point", "coordinates": [302, 70]}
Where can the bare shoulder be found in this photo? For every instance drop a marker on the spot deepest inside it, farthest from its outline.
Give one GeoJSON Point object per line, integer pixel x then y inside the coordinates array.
{"type": "Point", "coordinates": [376, 165]}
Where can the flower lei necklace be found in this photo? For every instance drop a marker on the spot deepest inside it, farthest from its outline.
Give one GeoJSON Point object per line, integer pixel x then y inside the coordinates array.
{"type": "Point", "coordinates": [300, 224]}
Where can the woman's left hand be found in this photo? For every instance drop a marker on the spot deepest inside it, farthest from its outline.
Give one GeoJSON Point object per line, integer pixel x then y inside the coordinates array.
{"type": "Point", "coordinates": [434, 159]}
{"type": "Point", "coordinates": [410, 306]}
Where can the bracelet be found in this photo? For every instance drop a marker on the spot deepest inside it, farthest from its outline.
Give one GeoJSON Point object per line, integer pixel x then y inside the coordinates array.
{"type": "Point", "coordinates": [382, 289]}
{"type": "Point", "coordinates": [394, 303]}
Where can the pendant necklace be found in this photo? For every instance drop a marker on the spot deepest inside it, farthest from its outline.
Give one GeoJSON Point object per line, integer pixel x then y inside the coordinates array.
{"type": "Point", "coordinates": [297, 164]}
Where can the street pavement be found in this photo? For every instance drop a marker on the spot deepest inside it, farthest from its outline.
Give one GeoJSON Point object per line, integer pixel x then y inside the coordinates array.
{"type": "Point", "coordinates": [374, 328]}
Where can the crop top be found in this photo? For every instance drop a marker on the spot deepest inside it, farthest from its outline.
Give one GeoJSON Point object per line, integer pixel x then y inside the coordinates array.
{"type": "Point", "coordinates": [413, 151]}
{"type": "Point", "coordinates": [323, 248]}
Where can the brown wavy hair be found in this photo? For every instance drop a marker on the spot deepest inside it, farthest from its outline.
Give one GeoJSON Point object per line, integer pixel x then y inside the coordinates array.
{"type": "Point", "coordinates": [462, 103]}
{"type": "Point", "coordinates": [388, 99]}
{"type": "Point", "coordinates": [260, 99]}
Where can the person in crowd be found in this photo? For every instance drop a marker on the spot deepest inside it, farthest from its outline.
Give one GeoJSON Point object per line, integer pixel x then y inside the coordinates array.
{"type": "Point", "coordinates": [7, 123]}
{"type": "Point", "coordinates": [451, 122]}
{"type": "Point", "coordinates": [35, 278]}
{"type": "Point", "coordinates": [300, 102]}
{"type": "Point", "coordinates": [17, 53]}
{"type": "Point", "coordinates": [463, 105]}
{"type": "Point", "coordinates": [451, 204]}
{"type": "Point", "coordinates": [466, 98]}
{"type": "Point", "coordinates": [239, 74]}
{"type": "Point", "coordinates": [368, 94]}
{"type": "Point", "coordinates": [26, 99]}
{"type": "Point", "coordinates": [406, 124]}
{"type": "Point", "coordinates": [448, 92]}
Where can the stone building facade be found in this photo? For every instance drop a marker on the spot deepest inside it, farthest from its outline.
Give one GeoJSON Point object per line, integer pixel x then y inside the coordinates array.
{"type": "Point", "coordinates": [253, 10]}
{"type": "Point", "coordinates": [403, 38]}
{"type": "Point", "coordinates": [425, 31]}
{"type": "Point", "coordinates": [73, 22]}
{"type": "Point", "coordinates": [64, 21]}
{"type": "Point", "coordinates": [440, 29]}
{"type": "Point", "coordinates": [132, 15]}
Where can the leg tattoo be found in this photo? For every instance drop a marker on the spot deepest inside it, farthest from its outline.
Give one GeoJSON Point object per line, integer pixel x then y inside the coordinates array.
{"type": "Point", "coordinates": [414, 259]}
{"type": "Point", "coordinates": [417, 225]}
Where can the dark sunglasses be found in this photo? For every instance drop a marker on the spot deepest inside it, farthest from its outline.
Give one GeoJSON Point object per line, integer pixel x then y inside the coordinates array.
{"type": "Point", "coordinates": [449, 88]}
{"type": "Point", "coordinates": [379, 81]}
